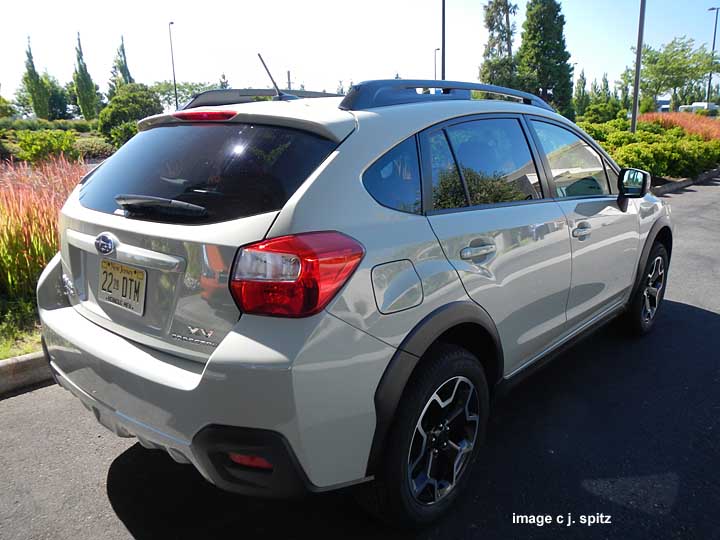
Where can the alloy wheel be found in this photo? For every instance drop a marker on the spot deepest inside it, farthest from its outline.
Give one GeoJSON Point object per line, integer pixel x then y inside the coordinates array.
{"type": "Point", "coordinates": [653, 288]}
{"type": "Point", "coordinates": [443, 440]}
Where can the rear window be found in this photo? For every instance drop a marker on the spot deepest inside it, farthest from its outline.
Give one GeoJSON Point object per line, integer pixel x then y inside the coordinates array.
{"type": "Point", "coordinates": [232, 170]}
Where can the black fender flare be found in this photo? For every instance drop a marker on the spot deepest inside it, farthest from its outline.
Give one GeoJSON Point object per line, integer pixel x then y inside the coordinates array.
{"type": "Point", "coordinates": [660, 223]}
{"type": "Point", "coordinates": [392, 384]}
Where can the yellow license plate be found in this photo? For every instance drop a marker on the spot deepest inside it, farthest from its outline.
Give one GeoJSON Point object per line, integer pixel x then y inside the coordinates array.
{"type": "Point", "coordinates": [122, 285]}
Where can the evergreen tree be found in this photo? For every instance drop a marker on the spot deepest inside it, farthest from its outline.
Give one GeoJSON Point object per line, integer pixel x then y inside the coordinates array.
{"type": "Point", "coordinates": [85, 89]}
{"type": "Point", "coordinates": [581, 99]}
{"type": "Point", "coordinates": [542, 60]}
{"type": "Point", "coordinates": [498, 65]}
{"type": "Point", "coordinates": [120, 73]}
{"type": "Point", "coordinates": [36, 88]}
{"type": "Point", "coordinates": [605, 89]}
{"type": "Point", "coordinates": [223, 82]}
{"type": "Point", "coordinates": [57, 98]}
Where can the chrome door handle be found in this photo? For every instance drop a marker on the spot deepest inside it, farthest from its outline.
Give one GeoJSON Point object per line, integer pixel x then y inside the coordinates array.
{"type": "Point", "coordinates": [582, 231]}
{"type": "Point", "coordinates": [473, 252]}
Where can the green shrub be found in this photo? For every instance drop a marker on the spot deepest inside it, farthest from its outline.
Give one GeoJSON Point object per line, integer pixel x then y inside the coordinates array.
{"type": "Point", "coordinates": [93, 148]}
{"type": "Point", "coordinates": [651, 127]}
{"type": "Point", "coordinates": [40, 145]}
{"type": "Point", "coordinates": [121, 134]}
{"type": "Point", "coordinates": [131, 103]}
{"type": "Point", "coordinates": [702, 112]}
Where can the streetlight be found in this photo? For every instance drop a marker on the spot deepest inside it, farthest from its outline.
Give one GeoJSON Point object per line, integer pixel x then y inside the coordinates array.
{"type": "Point", "coordinates": [707, 101]}
{"type": "Point", "coordinates": [172, 59]}
{"type": "Point", "coordinates": [442, 68]}
{"type": "Point", "coordinates": [436, 51]}
{"type": "Point", "coordinates": [638, 60]}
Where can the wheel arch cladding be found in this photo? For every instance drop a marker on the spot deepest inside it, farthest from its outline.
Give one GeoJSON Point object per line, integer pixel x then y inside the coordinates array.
{"type": "Point", "coordinates": [662, 232]}
{"type": "Point", "coordinates": [461, 323]}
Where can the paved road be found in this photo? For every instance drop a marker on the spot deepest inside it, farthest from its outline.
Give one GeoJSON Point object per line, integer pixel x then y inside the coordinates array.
{"type": "Point", "coordinates": [616, 426]}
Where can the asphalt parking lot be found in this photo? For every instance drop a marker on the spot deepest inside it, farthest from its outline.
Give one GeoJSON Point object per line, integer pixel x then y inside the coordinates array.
{"type": "Point", "coordinates": [625, 428]}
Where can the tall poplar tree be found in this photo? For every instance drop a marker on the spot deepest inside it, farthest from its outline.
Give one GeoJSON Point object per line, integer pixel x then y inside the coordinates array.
{"type": "Point", "coordinates": [35, 86]}
{"type": "Point", "coordinates": [120, 73]}
{"type": "Point", "coordinates": [542, 60]}
{"type": "Point", "coordinates": [85, 89]}
{"type": "Point", "coordinates": [498, 65]}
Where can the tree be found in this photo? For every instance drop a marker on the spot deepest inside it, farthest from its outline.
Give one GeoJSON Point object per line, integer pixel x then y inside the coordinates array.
{"type": "Point", "coordinates": [498, 65]}
{"type": "Point", "coordinates": [581, 99]}
{"type": "Point", "coordinates": [223, 84]}
{"type": "Point", "coordinates": [37, 91]}
{"type": "Point", "coordinates": [6, 108]}
{"type": "Point", "coordinates": [674, 68]}
{"type": "Point", "coordinates": [625, 85]}
{"type": "Point", "coordinates": [131, 103]}
{"type": "Point", "coordinates": [22, 102]}
{"type": "Point", "coordinates": [340, 89]}
{"type": "Point", "coordinates": [85, 89]}
{"type": "Point", "coordinates": [542, 60]}
{"type": "Point", "coordinates": [120, 73]}
{"type": "Point", "coordinates": [57, 98]}
{"type": "Point", "coordinates": [185, 91]}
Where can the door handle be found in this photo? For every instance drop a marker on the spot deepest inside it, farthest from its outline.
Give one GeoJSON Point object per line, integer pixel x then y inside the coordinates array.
{"type": "Point", "coordinates": [473, 252]}
{"type": "Point", "coordinates": [582, 231]}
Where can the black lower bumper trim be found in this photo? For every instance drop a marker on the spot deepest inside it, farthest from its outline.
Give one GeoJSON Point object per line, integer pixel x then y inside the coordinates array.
{"type": "Point", "coordinates": [286, 480]}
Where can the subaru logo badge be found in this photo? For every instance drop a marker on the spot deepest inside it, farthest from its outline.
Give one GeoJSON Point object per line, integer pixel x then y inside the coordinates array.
{"type": "Point", "coordinates": [105, 244]}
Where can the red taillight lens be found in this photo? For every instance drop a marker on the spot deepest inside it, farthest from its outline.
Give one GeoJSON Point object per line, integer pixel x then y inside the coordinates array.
{"type": "Point", "coordinates": [293, 276]}
{"type": "Point", "coordinates": [201, 116]}
{"type": "Point", "coordinates": [254, 462]}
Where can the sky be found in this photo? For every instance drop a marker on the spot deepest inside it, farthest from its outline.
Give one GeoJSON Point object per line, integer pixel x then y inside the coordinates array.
{"type": "Point", "coordinates": [321, 42]}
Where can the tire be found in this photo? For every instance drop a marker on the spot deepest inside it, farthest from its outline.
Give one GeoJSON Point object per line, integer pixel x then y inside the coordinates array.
{"type": "Point", "coordinates": [453, 376]}
{"type": "Point", "coordinates": [644, 306]}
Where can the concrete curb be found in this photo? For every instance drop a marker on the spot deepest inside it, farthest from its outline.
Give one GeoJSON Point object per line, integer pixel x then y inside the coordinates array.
{"type": "Point", "coordinates": [23, 371]}
{"type": "Point", "coordinates": [673, 187]}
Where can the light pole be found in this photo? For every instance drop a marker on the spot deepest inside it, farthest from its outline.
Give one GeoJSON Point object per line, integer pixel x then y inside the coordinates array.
{"type": "Point", "coordinates": [172, 59]}
{"type": "Point", "coordinates": [638, 59]}
{"type": "Point", "coordinates": [707, 100]}
{"type": "Point", "coordinates": [442, 68]}
{"type": "Point", "coordinates": [436, 51]}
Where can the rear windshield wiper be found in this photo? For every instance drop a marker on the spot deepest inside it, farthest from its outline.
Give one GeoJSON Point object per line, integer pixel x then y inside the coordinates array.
{"type": "Point", "coordinates": [144, 204]}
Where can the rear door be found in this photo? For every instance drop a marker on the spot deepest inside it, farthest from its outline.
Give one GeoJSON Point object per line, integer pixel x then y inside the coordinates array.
{"type": "Point", "coordinates": [508, 242]}
{"type": "Point", "coordinates": [158, 274]}
{"type": "Point", "coordinates": [604, 235]}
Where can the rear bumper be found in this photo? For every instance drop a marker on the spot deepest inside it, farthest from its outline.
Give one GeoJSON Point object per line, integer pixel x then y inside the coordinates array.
{"type": "Point", "coordinates": [306, 406]}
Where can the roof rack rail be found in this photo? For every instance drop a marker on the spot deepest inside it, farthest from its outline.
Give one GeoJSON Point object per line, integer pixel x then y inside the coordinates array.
{"type": "Point", "coordinates": [232, 96]}
{"type": "Point", "coordinates": [380, 93]}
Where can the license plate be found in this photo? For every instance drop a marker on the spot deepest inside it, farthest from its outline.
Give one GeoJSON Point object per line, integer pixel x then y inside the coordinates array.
{"type": "Point", "coordinates": [122, 285]}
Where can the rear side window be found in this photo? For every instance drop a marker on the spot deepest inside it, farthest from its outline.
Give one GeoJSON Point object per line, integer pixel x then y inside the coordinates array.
{"type": "Point", "coordinates": [495, 160]}
{"type": "Point", "coordinates": [577, 169]}
{"type": "Point", "coordinates": [394, 179]}
{"type": "Point", "coordinates": [232, 170]}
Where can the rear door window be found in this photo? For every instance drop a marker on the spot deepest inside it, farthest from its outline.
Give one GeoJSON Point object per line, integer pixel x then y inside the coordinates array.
{"type": "Point", "coordinates": [495, 160]}
{"type": "Point", "coordinates": [232, 170]}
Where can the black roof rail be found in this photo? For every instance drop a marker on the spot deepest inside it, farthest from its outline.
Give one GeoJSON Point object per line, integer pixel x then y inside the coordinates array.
{"type": "Point", "coordinates": [232, 96]}
{"type": "Point", "coordinates": [380, 93]}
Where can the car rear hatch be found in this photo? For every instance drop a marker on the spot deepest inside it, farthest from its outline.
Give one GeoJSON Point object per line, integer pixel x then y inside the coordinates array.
{"type": "Point", "coordinates": [149, 237]}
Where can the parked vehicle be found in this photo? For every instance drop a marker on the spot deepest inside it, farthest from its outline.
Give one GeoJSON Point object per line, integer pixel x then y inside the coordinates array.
{"type": "Point", "coordinates": [299, 296]}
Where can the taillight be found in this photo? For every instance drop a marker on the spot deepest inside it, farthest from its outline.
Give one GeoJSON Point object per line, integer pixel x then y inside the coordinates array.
{"type": "Point", "coordinates": [293, 276]}
{"type": "Point", "coordinates": [253, 462]}
{"type": "Point", "coordinates": [200, 116]}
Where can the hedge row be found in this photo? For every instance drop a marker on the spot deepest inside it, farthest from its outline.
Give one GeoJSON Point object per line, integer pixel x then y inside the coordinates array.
{"type": "Point", "coordinates": [36, 124]}
{"type": "Point", "coordinates": [661, 149]}
{"type": "Point", "coordinates": [37, 146]}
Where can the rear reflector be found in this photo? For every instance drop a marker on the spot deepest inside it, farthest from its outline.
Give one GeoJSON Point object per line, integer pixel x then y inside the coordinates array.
{"type": "Point", "coordinates": [293, 276]}
{"type": "Point", "coordinates": [202, 116]}
{"type": "Point", "coordinates": [254, 462]}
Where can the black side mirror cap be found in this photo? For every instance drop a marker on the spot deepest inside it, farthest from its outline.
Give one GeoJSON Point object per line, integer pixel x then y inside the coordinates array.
{"type": "Point", "coordinates": [633, 183]}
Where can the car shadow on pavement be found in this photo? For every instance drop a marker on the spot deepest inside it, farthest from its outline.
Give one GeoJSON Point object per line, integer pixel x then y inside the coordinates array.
{"type": "Point", "coordinates": [624, 427]}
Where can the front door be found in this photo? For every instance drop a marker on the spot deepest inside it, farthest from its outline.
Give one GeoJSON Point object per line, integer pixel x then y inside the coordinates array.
{"type": "Point", "coordinates": [604, 235]}
{"type": "Point", "coordinates": [509, 244]}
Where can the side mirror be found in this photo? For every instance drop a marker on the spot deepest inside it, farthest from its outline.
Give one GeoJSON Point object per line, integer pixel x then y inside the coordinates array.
{"type": "Point", "coordinates": [633, 183]}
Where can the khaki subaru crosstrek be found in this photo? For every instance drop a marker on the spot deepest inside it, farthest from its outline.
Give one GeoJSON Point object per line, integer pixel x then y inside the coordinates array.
{"type": "Point", "coordinates": [302, 295]}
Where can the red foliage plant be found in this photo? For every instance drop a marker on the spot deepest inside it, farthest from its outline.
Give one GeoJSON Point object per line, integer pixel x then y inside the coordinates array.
{"type": "Point", "coordinates": [705, 126]}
